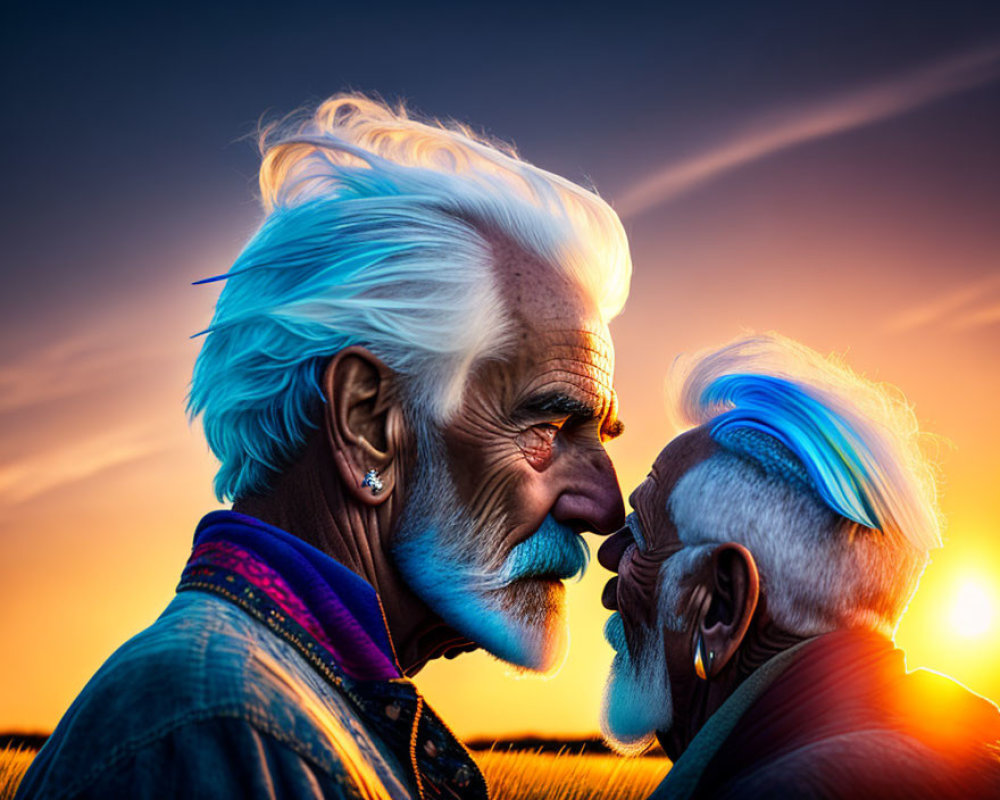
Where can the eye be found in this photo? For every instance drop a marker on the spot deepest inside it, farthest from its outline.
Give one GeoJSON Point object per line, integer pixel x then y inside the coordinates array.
{"type": "Point", "coordinates": [538, 444]}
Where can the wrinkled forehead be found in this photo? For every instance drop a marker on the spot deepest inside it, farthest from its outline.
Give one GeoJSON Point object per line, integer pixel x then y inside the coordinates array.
{"type": "Point", "coordinates": [675, 460]}
{"type": "Point", "coordinates": [537, 294]}
{"type": "Point", "coordinates": [570, 361]}
{"type": "Point", "coordinates": [557, 330]}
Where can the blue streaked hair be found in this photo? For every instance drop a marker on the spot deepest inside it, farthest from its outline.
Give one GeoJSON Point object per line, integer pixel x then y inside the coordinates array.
{"type": "Point", "coordinates": [791, 434]}
{"type": "Point", "coordinates": [816, 425]}
{"type": "Point", "coordinates": [379, 231]}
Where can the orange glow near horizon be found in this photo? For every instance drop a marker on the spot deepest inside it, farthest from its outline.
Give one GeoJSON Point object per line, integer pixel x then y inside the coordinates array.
{"type": "Point", "coordinates": [102, 481]}
{"type": "Point", "coordinates": [114, 542]}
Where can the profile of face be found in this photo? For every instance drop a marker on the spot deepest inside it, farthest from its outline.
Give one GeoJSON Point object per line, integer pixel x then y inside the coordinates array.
{"type": "Point", "coordinates": [492, 524]}
{"type": "Point", "coordinates": [654, 598]}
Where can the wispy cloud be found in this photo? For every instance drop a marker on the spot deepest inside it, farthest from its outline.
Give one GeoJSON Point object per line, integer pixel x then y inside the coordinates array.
{"type": "Point", "coordinates": [978, 318]}
{"type": "Point", "coordinates": [32, 475]}
{"type": "Point", "coordinates": [833, 115]}
{"type": "Point", "coordinates": [56, 370]}
{"type": "Point", "coordinates": [74, 365]}
{"type": "Point", "coordinates": [970, 305]}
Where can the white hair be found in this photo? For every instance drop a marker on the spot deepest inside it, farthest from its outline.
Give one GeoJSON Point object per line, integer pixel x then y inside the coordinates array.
{"type": "Point", "coordinates": [381, 230]}
{"type": "Point", "coordinates": [818, 571]}
{"type": "Point", "coordinates": [833, 443]}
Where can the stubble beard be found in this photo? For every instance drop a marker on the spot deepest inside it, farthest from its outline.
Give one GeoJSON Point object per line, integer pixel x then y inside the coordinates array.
{"type": "Point", "coordinates": [455, 563]}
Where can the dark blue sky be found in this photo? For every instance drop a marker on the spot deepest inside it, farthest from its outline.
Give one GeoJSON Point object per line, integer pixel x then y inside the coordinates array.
{"type": "Point", "coordinates": [122, 123]}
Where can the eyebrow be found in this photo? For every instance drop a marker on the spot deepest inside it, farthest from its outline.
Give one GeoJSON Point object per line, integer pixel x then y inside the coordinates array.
{"type": "Point", "coordinates": [566, 406]}
{"type": "Point", "coordinates": [556, 403]}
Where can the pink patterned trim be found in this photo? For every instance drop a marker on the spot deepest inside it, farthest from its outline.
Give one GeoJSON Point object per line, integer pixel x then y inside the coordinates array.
{"type": "Point", "coordinates": [236, 559]}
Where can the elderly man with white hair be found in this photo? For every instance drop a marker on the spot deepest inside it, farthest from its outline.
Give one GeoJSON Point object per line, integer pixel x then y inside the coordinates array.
{"type": "Point", "coordinates": [407, 382]}
{"type": "Point", "coordinates": [770, 555]}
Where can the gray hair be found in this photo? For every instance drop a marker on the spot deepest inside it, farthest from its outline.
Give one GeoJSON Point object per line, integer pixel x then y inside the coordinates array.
{"type": "Point", "coordinates": [820, 475]}
{"type": "Point", "coordinates": [820, 572]}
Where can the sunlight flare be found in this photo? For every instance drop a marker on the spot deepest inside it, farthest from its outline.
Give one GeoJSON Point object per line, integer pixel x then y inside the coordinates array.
{"type": "Point", "coordinates": [972, 609]}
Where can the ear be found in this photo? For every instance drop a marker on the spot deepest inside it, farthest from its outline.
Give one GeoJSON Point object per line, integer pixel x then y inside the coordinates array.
{"type": "Point", "coordinates": [364, 422]}
{"type": "Point", "coordinates": [733, 594]}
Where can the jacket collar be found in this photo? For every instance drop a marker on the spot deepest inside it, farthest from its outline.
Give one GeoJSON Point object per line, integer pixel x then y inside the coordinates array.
{"type": "Point", "coordinates": [334, 619]}
{"type": "Point", "coordinates": [312, 594]}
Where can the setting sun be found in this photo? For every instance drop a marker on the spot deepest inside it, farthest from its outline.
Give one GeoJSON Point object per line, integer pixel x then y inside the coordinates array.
{"type": "Point", "coordinates": [972, 609]}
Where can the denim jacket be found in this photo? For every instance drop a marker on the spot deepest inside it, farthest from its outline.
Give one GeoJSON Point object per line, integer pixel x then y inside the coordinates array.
{"type": "Point", "coordinates": [269, 675]}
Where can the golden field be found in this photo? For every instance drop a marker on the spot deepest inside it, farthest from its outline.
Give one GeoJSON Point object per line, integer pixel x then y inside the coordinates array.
{"type": "Point", "coordinates": [13, 762]}
{"type": "Point", "coordinates": [564, 776]}
{"type": "Point", "coordinates": [517, 774]}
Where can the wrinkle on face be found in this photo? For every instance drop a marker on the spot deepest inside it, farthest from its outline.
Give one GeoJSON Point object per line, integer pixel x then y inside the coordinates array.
{"type": "Point", "coordinates": [639, 696]}
{"type": "Point", "coordinates": [639, 560]}
{"type": "Point", "coordinates": [650, 501]}
{"type": "Point", "coordinates": [638, 579]}
{"type": "Point", "coordinates": [527, 441]}
{"type": "Point", "coordinates": [505, 449]}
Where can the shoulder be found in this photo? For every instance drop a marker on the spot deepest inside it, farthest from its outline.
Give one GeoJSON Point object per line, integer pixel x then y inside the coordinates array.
{"type": "Point", "coordinates": [876, 762]}
{"type": "Point", "coordinates": [211, 757]}
{"type": "Point", "coordinates": [202, 657]}
{"type": "Point", "coordinates": [209, 673]}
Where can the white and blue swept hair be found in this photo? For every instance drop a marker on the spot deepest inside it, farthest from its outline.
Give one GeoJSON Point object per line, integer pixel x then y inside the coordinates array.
{"type": "Point", "coordinates": [380, 231]}
{"type": "Point", "coordinates": [824, 480]}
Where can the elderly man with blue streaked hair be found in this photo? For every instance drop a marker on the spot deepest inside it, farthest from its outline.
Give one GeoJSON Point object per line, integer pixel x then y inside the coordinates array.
{"type": "Point", "coordinates": [408, 384]}
{"type": "Point", "coordinates": [760, 578]}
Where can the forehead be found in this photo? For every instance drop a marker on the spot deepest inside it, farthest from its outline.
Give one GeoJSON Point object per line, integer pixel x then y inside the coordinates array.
{"type": "Point", "coordinates": [560, 337]}
{"type": "Point", "coordinates": [674, 461]}
{"type": "Point", "coordinates": [560, 356]}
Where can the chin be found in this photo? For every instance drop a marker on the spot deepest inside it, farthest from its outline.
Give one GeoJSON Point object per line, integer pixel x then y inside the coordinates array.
{"type": "Point", "coordinates": [523, 623]}
{"type": "Point", "coordinates": [636, 701]}
{"type": "Point", "coordinates": [534, 610]}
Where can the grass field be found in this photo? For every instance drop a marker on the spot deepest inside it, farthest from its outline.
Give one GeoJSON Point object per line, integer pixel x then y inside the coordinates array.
{"type": "Point", "coordinates": [521, 775]}
{"type": "Point", "coordinates": [564, 776]}
{"type": "Point", "coordinates": [13, 762]}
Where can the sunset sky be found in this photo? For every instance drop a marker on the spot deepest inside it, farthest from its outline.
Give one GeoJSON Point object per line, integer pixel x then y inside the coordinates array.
{"type": "Point", "coordinates": [829, 170]}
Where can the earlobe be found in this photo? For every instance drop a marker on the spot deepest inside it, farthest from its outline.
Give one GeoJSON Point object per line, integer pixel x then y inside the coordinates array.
{"type": "Point", "coordinates": [364, 422]}
{"type": "Point", "coordinates": [729, 611]}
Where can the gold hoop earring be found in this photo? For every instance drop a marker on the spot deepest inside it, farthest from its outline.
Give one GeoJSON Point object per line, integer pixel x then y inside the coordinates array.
{"type": "Point", "coordinates": [700, 659]}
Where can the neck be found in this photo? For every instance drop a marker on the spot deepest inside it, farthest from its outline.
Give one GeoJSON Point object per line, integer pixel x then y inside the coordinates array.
{"type": "Point", "coordinates": [308, 501]}
{"type": "Point", "coordinates": [696, 700]}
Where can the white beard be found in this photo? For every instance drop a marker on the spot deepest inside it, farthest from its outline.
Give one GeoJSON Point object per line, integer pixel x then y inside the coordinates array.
{"type": "Point", "coordinates": [637, 700]}
{"type": "Point", "coordinates": [454, 565]}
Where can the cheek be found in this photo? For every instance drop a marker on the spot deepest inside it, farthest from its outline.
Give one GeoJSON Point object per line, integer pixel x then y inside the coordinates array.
{"type": "Point", "coordinates": [638, 577]}
{"type": "Point", "coordinates": [502, 477]}
{"type": "Point", "coordinates": [484, 469]}
{"type": "Point", "coordinates": [509, 502]}
{"type": "Point", "coordinates": [676, 656]}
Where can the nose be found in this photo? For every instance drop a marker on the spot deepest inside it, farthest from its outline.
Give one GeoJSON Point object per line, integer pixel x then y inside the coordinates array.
{"type": "Point", "coordinates": [593, 501]}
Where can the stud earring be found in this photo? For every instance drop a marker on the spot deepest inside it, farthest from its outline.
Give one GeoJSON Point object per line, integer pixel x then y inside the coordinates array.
{"type": "Point", "coordinates": [373, 481]}
{"type": "Point", "coordinates": [700, 659]}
